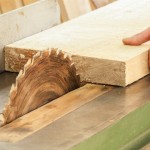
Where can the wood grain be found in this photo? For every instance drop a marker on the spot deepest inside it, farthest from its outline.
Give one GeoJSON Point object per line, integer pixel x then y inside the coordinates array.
{"type": "Point", "coordinates": [27, 2]}
{"type": "Point", "coordinates": [95, 41]}
{"type": "Point", "coordinates": [8, 5]}
{"type": "Point", "coordinates": [47, 76]}
{"type": "Point", "coordinates": [63, 11]}
{"type": "Point", "coordinates": [43, 116]}
{"type": "Point", "coordinates": [101, 3]}
{"type": "Point", "coordinates": [76, 8]}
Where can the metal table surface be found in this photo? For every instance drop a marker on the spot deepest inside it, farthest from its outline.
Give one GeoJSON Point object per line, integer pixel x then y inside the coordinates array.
{"type": "Point", "coordinates": [84, 122]}
{"type": "Point", "coordinates": [6, 80]}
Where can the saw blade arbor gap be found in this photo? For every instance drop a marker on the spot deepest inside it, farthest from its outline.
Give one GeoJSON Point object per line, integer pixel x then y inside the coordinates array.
{"type": "Point", "coordinates": [47, 76]}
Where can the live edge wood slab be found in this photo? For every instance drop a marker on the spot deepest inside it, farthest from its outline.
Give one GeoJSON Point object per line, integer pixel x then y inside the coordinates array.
{"type": "Point", "coordinates": [95, 43]}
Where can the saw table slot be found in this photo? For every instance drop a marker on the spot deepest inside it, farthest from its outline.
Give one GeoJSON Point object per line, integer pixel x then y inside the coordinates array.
{"type": "Point", "coordinates": [47, 114]}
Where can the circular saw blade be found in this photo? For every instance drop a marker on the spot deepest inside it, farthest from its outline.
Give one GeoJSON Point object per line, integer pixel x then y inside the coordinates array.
{"type": "Point", "coordinates": [45, 77]}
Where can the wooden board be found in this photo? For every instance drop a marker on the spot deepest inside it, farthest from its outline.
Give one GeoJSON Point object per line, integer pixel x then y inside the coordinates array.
{"type": "Point", "coordinates": [8, 5]}
{"type": "Point", "coordinates": [101, 3]}
{"type": "Point", "coordinates": [27, 2]}
{"type": "Point", "coordinates": [77, 8]}
{"type": "Point", "coordinates": [95, 42]}
{"type": "Point", "coordinates": [0, 10]}
{"type": "Point", "coordinates": [63, 11]}
{"type": "Point", "coordinates": [41, 117]}
{"type": "Point", "coordinates": [26, 21]}
{"type": "Point", "coordinates": [71, 9]}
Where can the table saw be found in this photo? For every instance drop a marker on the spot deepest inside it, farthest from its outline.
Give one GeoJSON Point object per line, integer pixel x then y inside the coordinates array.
{"type": "Point", "coordinates": [116, 119]}
{"type": "Point", "coordinates": [76, 86]}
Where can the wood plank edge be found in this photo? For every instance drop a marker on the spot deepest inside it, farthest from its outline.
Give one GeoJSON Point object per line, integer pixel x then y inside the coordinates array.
{"type": "Point", "coordinates": [91, 70]}
{"type": "Point", "coordinates": [136, 68]}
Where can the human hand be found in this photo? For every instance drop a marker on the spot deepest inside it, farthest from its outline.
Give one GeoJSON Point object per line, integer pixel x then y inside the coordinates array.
{"type": "Point", "coordinates": [138, 39]}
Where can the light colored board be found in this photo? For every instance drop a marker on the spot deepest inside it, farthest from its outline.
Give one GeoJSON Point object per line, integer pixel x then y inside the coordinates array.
{"type": "Point", "coordinates": [18, 3]}
{"type": "Point", "coordinates": [71, 9]}
{"type": "Point", "coordinates": [27, 2]}
{"type": "Point", "coordinates": [26, 21]}
{"type": "Point", "coordinates": [43, 116]}
{"type": "Point", "coordinates": [95, 41]}
{"type": "Point", "coordinates": [63, 12]}
{"type": "Point", "coordinates": [7, 5]}
{"type": "Point", "coordinates": [76, 8]}
{"type": "Point", "coordinates": [92, 5]}
{"type": "Point", "coordinates": [0, 9]}
{"type": "Point", "coordinates": [101, 3]}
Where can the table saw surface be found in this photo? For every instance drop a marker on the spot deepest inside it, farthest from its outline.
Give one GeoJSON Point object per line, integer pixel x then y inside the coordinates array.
{"type": "Point", "coordinates": [84, 122]}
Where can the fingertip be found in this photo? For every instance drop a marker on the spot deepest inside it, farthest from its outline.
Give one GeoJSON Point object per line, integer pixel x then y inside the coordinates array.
{"type": "Point", "coordinates": [125, 41]}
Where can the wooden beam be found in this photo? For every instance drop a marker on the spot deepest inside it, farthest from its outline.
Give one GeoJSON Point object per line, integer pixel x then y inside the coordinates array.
{"type": "Point", "coordinates": [27, 2]}
{"type": "Point", "coordinates": [7, 5]}
{"type": "Point", "coordinates": [45, 115]}
{"type": "Point", "coordinates": [95, 43]}
{"type": "Point", "coordinates": [101, 3]}
{"type": "Point", "coordinates": [18, 3]}
{"type": "Point", "coordinates": [63, 11]}
{"type": "Point", "coordinates": [0, 9]}
{"type": "Point", "coordinates": [26, 21]}
{"type": "Point", "coordinates": [77, 8]}
{"type": "Point", "coordinates": [71, 9]}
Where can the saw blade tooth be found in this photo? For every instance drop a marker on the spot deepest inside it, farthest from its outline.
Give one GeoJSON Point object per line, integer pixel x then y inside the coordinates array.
{"type": "Point", "coordinates": [45, 53]}
{"type": "Point", "coordinates": [38, 54]}
{"type": "Point", "coordinates": [12, 94]}
{"type": "Point", "coordinates": [69, 59]}
{"type": "Point", "coordinates": [2, 120]}
{"type": "Point", "coordinates": [61, 55]}
{"type": "Point", "coordinates": [78, 79]}
{"type": "Point", "coordinates": [20, 75]}
{"type": "Point", "coordinates": [73, 66]}
{"type": "Point", "coordinates": [53, 52]}
{"type": "Point", "coordinates": [65, 55]}
{"type": "Point", "coordinates": [12, 89]}
{"type": "Point", "coordinates": [57, 52]}
{"type": "Point", "coordinates": [27, 65]}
